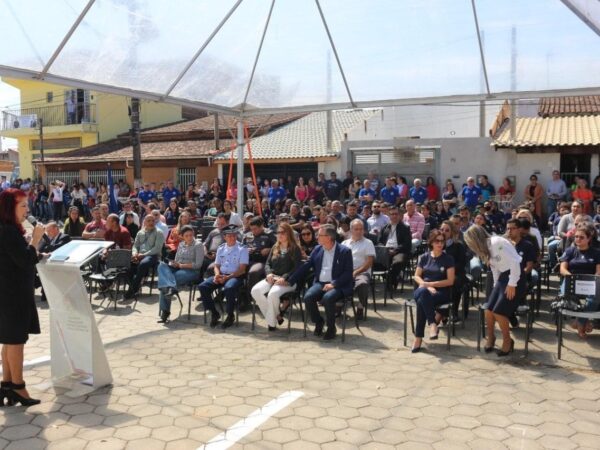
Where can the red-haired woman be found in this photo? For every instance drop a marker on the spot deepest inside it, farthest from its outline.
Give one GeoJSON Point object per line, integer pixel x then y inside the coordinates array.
{"type": "Point", "coordinates": [18, 314]}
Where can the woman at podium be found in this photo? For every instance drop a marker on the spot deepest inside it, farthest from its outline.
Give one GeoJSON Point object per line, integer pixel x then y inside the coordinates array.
{"type": "Point", "coordinates": [18, 314]}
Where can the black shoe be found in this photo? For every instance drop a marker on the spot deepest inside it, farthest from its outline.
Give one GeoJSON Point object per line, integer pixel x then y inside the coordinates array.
{"type": "Point", "coordinates": [17, 398]}
{"type": "Point", "coordinates": [214, 319]}
{"type": "Point", "coordinates": [164, 317]}
{"type": "Point", "coordinates": [272, 328]}
{"type": "Point", "coordinates": [330, 333]}
{"type": "Point", "coordinates": [510, 350]}
{"type": "Point", "coordinates": [228, 322]}
{"type": "Point", "coordinates": [318, 329]}
{"type": "Point", "coordinates": [491, 348]}
{"type": "Point", "coordinates": [415, 349]}
{"type": "Point", "coordinates": [5, 387]}
{"type": "Point", "coordinates": [360, 315]}
{"type": "Point", "coordinates": [514, 321]}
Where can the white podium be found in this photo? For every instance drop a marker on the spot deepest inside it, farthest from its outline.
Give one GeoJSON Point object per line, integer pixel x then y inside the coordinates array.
{"type": "Point", "coordinates": [78, 361]}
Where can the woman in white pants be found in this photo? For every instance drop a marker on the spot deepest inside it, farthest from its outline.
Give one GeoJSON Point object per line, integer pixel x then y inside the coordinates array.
{"type": "Point", "coordinates": [283, 260]}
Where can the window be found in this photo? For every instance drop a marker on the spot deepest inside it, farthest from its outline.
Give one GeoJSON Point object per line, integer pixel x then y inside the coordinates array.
{"type": "Point", "coordinates": [69, 177]}
{"type": "Point", "coordinates": [101, 176]}
{"type": "Point", "coordinates": [56, 144]}
{"type": "Point", "coordinates": [186, 176]}
{"type": "Point", "coordinates": [49, 96]}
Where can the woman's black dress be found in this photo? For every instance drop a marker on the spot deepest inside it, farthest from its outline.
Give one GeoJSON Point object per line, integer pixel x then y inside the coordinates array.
{"type": "Point", "coordinates": [18, 313]}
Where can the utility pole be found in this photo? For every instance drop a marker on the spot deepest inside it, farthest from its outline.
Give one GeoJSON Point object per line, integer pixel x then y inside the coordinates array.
{"type": "Point", "coordinates": [513, 84]}
{"type": "Point", "coordinates": [41, 138]}
{"type": "Point", "coordinates": [135, 141]}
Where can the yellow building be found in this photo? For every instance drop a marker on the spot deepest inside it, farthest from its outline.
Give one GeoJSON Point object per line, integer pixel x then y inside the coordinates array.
{"type": "Point", "coordinates": [71, 118]}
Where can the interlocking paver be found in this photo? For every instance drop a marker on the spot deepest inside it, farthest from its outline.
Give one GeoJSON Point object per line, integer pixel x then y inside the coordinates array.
{"type": "Point", "coordinates": [180, 386]}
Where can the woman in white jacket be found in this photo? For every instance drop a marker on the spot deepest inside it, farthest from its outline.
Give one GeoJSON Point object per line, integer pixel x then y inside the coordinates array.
{"type": "Point", "coordinates": [504, 262]}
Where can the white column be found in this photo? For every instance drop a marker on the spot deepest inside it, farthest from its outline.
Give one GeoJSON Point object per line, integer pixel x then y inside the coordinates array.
{"type": "Point", "coordinates": [240, 167]}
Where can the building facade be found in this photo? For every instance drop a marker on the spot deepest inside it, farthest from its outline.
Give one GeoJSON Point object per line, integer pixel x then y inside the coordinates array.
{"type": "Point", "coordinates": [71, 119]}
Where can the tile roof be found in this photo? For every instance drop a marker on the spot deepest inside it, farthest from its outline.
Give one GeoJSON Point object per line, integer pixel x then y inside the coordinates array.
{"type": "Point", "coordinates": [305, 137]}
{"type": "Point", "coordinates": [225, 123]}
{"type": "Point", "coordinates": [551, 131]}
{"type": "Point", "coordinates": [561, 106]}
{"type": "Point", "coordinates": [115, 151]}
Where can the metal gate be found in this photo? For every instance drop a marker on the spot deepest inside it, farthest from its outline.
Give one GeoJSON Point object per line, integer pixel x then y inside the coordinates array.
{"type": "Point", "coordinates": [185, 176]}
{"type": "Point", "coordinates": [69, 177]}
{"type": "Point", "coordinates": [409, 162]}
{"type": "Point", "coordinates": [101, 176]}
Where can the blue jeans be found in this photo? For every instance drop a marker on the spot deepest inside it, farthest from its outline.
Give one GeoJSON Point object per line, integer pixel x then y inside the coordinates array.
{"type": "Point", "coordinates": [230, 289]}
{"type": "Point", "coordinates": [553, 252]}
{"type": "Point", "coordinates": [140, 271]}
{"type": "Point", "coordinates": [426, 303]}
{"type": "Point", "coordinates": [328, 299]}
{"type": "Point", "coordinates": [169, 277]}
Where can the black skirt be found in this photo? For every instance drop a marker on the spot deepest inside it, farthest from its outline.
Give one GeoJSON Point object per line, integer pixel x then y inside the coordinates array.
{"type": "Point", "coordinates": [18, 313]}
{"type": "Point", "coordinates": [497, 301]}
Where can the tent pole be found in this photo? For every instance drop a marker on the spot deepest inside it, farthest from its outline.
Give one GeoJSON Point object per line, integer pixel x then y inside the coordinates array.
{"type": "Point", "coordinates": [240, 167]}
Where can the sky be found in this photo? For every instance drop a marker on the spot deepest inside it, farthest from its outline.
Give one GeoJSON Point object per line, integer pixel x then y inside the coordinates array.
{"type": "Point", "coordinates": [389, 49]}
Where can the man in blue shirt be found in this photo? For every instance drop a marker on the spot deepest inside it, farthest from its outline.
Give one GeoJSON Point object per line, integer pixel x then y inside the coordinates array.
{"type": "Point", "coordinates": [334, 187]}
{"type": "Point", "coordinates": [471, 194]}
{"type": "Point", "coordinates": [146, 195]}
{"type": "Point", "coordinates": [390, 193]}
{"type": "Point", "coordinates": [170, 192]}
{"type": "Point", "coordinates": [276, 192]}
{"type": "Point", "coordinates": [366, 194]}
{"type": "Point", "coordinates": [487, 189]}
{"type": "Point", "coordinates": [231, 262]}
{"type": "Point", "coordinates": [418, 193]}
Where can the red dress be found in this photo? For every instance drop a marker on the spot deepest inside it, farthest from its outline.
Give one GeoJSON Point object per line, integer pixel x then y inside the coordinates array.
{"type": "Point", "coordinates": [433, 193]}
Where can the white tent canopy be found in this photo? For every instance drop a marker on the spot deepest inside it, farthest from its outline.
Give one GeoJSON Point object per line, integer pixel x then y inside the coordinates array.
{"type": "Point", "coordinates": [246, 57]}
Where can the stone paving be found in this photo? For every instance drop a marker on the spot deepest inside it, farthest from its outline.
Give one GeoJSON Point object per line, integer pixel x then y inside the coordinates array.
{"type": "Point", "coordinates": [179, 386]}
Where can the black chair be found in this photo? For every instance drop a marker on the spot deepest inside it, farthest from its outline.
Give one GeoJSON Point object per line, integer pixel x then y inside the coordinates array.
{"type": "Point", "coordinates": [117, 266]}
{"type": "Point", "coordinates": [343, 304]}
{"type": "Point", "coordinates": [410, 304]}
{"type": "Point", "coordinates": [522, 310]}
{"type": "Point", "coordinates": [577, 289]}
{"type": "Point", "coordinates": [382, 270]}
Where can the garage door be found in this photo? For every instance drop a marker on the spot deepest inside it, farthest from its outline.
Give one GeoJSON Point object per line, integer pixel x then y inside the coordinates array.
{"type": "Point", "coordinates": [409, 162]}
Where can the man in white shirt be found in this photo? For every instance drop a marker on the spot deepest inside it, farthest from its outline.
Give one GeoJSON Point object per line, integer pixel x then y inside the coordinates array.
{"type": "Point", "coordinates": [556, 190]}
{"type": "Point", "coordinates": [363, 257]}
{"type": "Point", "coordinates": [160, 226]}
{"type": "Point", "coordinates": [378, 220]}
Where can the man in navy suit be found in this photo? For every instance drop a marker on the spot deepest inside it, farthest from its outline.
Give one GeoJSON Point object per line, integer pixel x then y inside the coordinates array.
{"type": "Point", "coordinates": [332, 264]}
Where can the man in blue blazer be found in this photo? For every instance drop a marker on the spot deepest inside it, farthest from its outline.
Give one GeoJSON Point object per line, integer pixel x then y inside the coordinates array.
{"type": "Point", "coordinates": [332, 264]}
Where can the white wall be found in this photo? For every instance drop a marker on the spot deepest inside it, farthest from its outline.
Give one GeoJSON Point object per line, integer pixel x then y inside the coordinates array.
{"type": "Point", "coordinates": [426, 121]}
{"type": "Point", "coordinates": [460, 158]}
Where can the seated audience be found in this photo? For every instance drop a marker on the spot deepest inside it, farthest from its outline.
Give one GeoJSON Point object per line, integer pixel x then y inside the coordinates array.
{"type": "Point", "coordinates": [259, 242]}
{"type": "Point", "coordinates": [396, 237]}
{"type": "Point", "coordinates": [130, 224]}
{"type": "Point", "coordinates": [117, 233]}
{"type": "Point", "coordinates": [363, 257]}
{"type": "Point", "coordinates": [456, 249]}
{"type": "Point", "coordinates": [96, 228]}
{"type": "Point", "coordinates": [416, 222]}
{"type": "Point", "coordinates": [145, 253]}
{"type": "Point", "coordinates": [434, 276]}
{"type": "Point", "coordinates": [175, 234]}
{"type": "Point", "coordinates": [182, 270]}
{"type": "Point", "coordinates": [74, 224]}
{"type": "Point", "coordinates": [307, 241]}
{"type": "Point", "coordinates": [284, 258]}
{"type": "Point", "coordinates": [332, 265]}
{"type": "Point", "coordinates": [231, 261]}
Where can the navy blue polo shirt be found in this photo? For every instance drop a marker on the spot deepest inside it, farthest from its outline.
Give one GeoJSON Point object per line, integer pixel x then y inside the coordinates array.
{"type": "Point", "coordinates": [276, 194]}
{"type": "Point", "coordinates": [581, 262]}
{"type": "Point", "coordinates": [418, 195]}
{"type": "Point", "coordinates": [146, 196]}
{"type": "Point", "coordinates": [526, 251]}
{"type": "Point", "coordinates": [333, 189]}
{"type": "Point", "coordinates": [390, 195]}
{"type": "Point", "coordinates": [471, 195]}
{"type": "Point", "coordinates": [168, 194]}
{"type": "Point", "coordinates": [435, 269]}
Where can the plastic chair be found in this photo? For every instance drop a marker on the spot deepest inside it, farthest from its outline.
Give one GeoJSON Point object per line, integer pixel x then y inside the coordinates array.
{"type": "Point", "coordinates": [117, 265]}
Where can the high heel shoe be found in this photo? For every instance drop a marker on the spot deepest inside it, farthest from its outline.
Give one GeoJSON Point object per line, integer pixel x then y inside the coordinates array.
{"type": "Point", "coordinates": [510, 350]}
{"type": "Point", "coordinates": [18, 398]}
{"type": "Point", "coordinates": [490, 349]}
{"type": "Point", "coordinates": [5, 387]}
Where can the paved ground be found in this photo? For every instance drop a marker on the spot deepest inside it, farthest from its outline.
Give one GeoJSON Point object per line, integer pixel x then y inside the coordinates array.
{"type": "Point", "coordinates": [180, 386]}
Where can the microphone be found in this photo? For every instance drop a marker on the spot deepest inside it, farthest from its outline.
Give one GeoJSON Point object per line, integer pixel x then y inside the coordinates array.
{"type": "Point", "coordinates": [32, 220]}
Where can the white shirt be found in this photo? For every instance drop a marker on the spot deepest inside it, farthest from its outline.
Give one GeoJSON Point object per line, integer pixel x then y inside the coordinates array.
{"type": "Point", "coordinates": [136, 218]}
{"type": "Point", "coordinates": [57, 194]}
{"type": "Point", "coordinates": [361, 250]}
{"type": "Point", "coordinates": [538, 237]}
{"type": "Point", "coordinates": [503, 257]}
{"type": "Point", "coordinates": [164, 229]}
{"type": "Point", "coordinates": [392, 241]}
{"type": "Point", "coordinates": [376, 223]}
{"type": "Point", "coordinates": [327, 264]}
{"type": "Point", "coordinates": [234, 219]}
